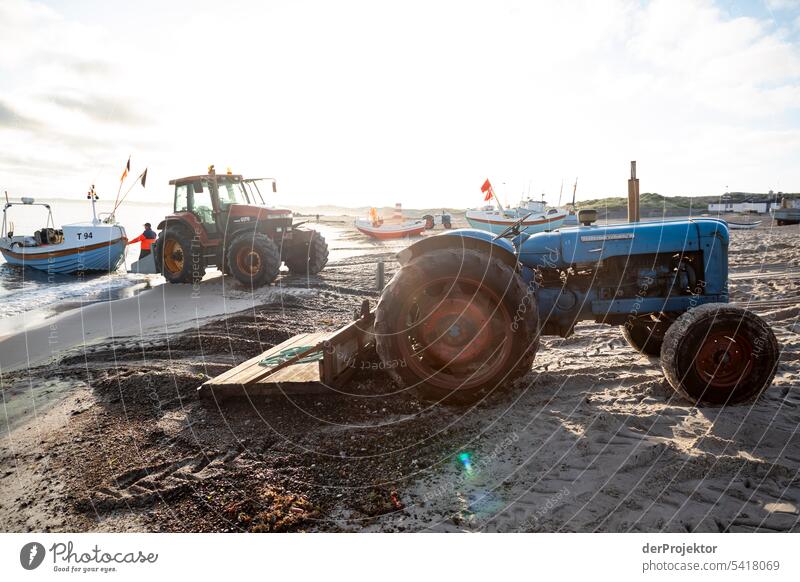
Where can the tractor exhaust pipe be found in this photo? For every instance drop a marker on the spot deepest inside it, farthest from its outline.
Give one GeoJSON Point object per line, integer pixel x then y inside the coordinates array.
{"type": "Point", "coordinates": [633, 195]}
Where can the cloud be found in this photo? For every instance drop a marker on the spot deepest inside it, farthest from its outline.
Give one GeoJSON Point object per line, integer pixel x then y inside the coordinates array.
{"type": "Point", "coordinates": [10, 119]}
{"type": "Point", "coordinates": [101, 109]}
{"type": "Point", "coordinates": [781, 5]}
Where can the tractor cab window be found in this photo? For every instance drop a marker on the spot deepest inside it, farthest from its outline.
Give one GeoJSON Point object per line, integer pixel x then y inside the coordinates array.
{"type": "Point", "coordinates": [253, 193]}
{"type": "Point", "coordinates": [182, 198]}
{"type": "Point", "coordinates": [231, 193]}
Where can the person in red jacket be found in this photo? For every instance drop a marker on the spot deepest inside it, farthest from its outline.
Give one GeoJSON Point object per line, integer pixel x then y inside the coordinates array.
{"type": "Point", "coordinates": [147, 238]}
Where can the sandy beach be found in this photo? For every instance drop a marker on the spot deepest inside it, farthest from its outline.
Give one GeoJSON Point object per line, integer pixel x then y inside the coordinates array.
{"type": "Point", "coordinates": [102, 430]}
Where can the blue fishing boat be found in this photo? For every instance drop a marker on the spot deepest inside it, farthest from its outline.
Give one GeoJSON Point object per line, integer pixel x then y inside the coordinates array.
{"type": "Point", "coordinates": [95, 245]}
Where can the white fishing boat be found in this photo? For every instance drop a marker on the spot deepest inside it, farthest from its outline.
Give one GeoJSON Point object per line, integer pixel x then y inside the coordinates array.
{"type": "Point", "coordinates": [382, 231]}
{"type": "Point", "coordinates": [95, 245]}
{"type": "Point", "coordinates": [395, 227]}
{"type": "Point", "coordinates": [538, 217]}
{"type": "Point", "coordinates": [742, 225]}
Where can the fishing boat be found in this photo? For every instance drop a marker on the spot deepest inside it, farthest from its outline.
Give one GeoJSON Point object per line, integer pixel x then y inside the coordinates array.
{"type": "Point", "coordinates": [742, 225]}
{"type": "Point", "coordinates": [538, 217]}
{"type": "Point", "coordinates": [382, 231]}
{"type": "Point", "coordinates": [378, 228]}
{"type": "Point", "coordinates": [94, 245]}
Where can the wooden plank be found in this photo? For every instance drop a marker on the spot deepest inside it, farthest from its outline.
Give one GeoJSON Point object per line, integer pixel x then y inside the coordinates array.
{"type": "Point", "coordinates": [252, 370]}
{"type": "Point", "coordinates": [340, 351]}
{"type": "Point", "coordinates": [307, 348]}
{"type": "Point", "coordinates": [225, 376]}
{"type": "Point", "coordinates": [308, 372]}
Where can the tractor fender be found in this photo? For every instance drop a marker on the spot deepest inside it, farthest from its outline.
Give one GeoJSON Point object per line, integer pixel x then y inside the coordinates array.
{"type": "Point", "coordinates": [465, 238]}
{"type": "Point", "coordinates": [175, 221]}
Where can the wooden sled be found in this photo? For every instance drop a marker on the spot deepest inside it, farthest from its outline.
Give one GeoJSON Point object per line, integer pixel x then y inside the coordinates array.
{"type": "Point", "coordinates": [308, 363]}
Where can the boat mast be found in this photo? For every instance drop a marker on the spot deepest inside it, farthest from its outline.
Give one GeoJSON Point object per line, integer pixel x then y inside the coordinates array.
{"type": "Point", "coordinates": [92, 195]}
{"type": "Point", "coordinates": [574, 188]}
{"type": "Point", "coordinates": [3, 232]}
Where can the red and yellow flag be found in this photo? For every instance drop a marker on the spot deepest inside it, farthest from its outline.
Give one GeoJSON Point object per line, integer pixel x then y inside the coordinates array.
{"type": "Point", "coordinates": [125, 171]}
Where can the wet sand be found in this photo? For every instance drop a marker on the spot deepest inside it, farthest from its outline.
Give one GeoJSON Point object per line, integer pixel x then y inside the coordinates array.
{"type": "Point", "coordinates": [108, 436]}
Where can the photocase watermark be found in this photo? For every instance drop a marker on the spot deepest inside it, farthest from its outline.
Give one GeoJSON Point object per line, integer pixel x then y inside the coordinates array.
{"type": "Point", "coordinates": [550, 262]}
{"type": "Point", "coordinates": [31, 555]}
{"type": "Point", "coordinates": [472, 465]}
{"type": "Point", "coordinates": [65, 558]}
{"type": "Point", "coordinates": [555, 500]}
{"type": "Point", "coordinates": [197, 260]}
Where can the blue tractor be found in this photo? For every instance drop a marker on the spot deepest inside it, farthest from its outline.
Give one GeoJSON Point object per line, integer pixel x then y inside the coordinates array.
{"type": "Point", "coordinates": [464, 313]}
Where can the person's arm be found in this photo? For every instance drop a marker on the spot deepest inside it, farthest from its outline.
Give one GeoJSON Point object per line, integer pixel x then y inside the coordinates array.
{"type": "Point", "coordinates": [139, 238]}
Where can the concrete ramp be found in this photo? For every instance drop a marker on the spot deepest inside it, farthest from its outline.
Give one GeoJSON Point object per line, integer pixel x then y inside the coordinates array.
{"type": "Point", "coordinates": [146, 266]}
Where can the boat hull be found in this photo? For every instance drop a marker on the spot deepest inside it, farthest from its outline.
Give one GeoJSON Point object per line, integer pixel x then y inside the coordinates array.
{"type": "Point", "coordinates": [104, 256]}
{"type": "Point", "coordinates": [390, 232]}
{"type": "Point", "coordinates": [743, 225]}
{"type": "Point", "coordinates": [497, 224]}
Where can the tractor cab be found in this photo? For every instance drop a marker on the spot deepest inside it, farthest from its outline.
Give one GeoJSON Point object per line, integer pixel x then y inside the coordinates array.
{"type": "Point", "coordinates": [210, 199]}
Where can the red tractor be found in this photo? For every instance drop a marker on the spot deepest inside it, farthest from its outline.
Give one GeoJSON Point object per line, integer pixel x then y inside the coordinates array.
{"type": "Point", "coordinates": [222, 220]}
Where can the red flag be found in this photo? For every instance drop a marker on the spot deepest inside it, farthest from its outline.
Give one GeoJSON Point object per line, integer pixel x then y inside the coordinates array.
{"type": "Point", "coordinates": [487, 190]}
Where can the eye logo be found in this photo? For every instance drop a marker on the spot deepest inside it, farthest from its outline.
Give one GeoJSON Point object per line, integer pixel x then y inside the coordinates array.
{"type": "Point", "coordinates": [31, 555]}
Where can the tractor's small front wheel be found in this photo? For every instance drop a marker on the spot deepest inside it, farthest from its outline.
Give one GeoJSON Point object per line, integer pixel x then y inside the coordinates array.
{"type": "Point", "coordinates": [453, 324]}
{"type": "Point", "coordinates": [253, 259]}
{"type": "Point", "coordinates": [645, 333]}
{"type": "Point", "coordinates": [719, 354]}
{"type": "Point", "coordinates": [178, 256]}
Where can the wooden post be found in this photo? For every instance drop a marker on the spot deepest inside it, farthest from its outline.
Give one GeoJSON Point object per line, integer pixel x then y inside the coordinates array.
{"type": "Point", "coordinates": [633, 195]}
{"type": "Point", "coordinates": [380, 276]}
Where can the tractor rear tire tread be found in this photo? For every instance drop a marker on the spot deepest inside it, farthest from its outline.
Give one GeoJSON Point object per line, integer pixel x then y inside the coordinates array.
{"type": "Point", "coordinates": [492, 270]}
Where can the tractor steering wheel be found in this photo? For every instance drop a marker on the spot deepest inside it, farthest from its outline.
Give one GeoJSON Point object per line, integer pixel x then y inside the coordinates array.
{"type": "Point", "coordinates": [514, 228]}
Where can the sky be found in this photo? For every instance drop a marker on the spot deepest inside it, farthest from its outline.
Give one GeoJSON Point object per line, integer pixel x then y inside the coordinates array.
{"type": "Point", "coordinates": [372, 103]}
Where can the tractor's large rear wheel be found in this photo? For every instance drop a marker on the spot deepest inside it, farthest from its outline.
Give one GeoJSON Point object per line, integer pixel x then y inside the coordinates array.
{"type": "Point", "coordinates": [453, 324]}
{"type": "Point", "coordinates": [178, 256]}
{"type": "Point", "coordinates": [646, 333]}
{"type": "Point", "coordinates": [308, 257]}
{"type": "Point", "coordinates": [253, 259]}
{"type": "Point", "coordinates": [719, 354]}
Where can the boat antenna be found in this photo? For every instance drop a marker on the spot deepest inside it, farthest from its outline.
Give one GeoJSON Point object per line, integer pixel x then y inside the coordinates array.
{"type": "Point", "coordinates": [497, 201]}
{"type": "Point", "coordinates": [560, 191]}
{"type": "Point", "coordinates": [574, 188]}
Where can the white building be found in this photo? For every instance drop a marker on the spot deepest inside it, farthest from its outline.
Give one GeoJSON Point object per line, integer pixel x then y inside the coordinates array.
{"type": "Point", "coordinates": [740, 207]}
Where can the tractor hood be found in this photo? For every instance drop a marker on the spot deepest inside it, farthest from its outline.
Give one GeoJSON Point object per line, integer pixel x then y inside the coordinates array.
{"type": "Point", "coordinates": [462, 239]}
{"type": "Point", "coordinates": [255, 212]}
{"type": "Point", "coordinates": [591, 244]}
